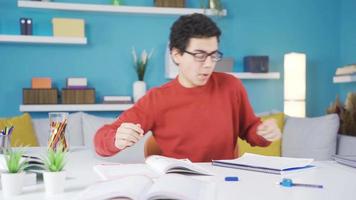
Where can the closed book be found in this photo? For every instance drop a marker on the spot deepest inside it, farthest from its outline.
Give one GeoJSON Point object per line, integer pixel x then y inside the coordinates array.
{"type": "Point", "coordinates": [348, 69]}
{"type": "Point", "coordinates": [41, 83]}
{"type": "Point", "coordinates": [349, 160]}
{"type": "Point", "coordinates": [117, 102]}
{"type": "Point", "coordinates": [117, 98]}
{"type": "Point", "coordinates": [78, 96]}
{"type": "Point", "coordinates": [40, 96]}
{"type": "Point", "coordinates": [73, 82]}
{"type": "Point", "coordinates": [266, 164]}
{"type": "Point", "coordinates": [66, 27]}
{"type": "Point", "coordinates": [344, 78]}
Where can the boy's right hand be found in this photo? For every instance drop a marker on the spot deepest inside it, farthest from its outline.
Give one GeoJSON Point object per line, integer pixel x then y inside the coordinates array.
{"type": "Point", "coordinates": [127, 135]}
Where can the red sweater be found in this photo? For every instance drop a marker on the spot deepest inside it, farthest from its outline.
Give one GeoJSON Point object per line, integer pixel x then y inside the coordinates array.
{"type": "Point", "coordinates": [200, 123]}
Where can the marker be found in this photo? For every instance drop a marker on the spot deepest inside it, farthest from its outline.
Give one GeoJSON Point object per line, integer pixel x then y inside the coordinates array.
{"type": "Point", "coordinates": [231, 178]}
{"type": "Point", "coordinates": [286, 182]}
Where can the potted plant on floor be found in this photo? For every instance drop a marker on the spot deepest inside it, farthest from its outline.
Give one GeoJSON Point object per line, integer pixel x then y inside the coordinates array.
{"type": "Point", "coordinates": [12, 180]}
{"type": "Point", "coordinates": [54, 174]}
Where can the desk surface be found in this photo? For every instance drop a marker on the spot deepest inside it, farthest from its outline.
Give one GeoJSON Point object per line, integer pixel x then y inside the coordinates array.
{"type": "Point", "coordinates": [339, 181]}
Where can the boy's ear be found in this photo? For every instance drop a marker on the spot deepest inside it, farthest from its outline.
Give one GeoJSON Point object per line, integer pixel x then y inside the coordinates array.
{"type": "Point", "coordinates": [176, 56]}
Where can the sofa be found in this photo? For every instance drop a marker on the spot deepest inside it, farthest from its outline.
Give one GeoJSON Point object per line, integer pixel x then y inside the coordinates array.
{"type": "Point", "coordinates": [302, 137]}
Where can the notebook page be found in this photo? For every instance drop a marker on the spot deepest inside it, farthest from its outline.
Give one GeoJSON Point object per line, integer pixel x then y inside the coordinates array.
{"type": "Point", "coordinates": [176, 186]}
{"type": "Point", "coordinates": [130, 187]}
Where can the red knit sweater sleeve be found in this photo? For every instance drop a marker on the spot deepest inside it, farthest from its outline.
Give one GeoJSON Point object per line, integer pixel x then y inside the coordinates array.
{"type": "Point", "coordinates": [141, 113]}
{"type": "Point", "coordinates": [248, 120]}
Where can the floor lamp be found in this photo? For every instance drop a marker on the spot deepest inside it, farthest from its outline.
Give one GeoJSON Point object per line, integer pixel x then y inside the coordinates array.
{"type": "Point", "coordinates": [294, 84]}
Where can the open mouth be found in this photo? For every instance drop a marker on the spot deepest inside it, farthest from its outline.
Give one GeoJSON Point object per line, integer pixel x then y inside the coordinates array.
{"type": "Point", "coordinates": [203, 76]}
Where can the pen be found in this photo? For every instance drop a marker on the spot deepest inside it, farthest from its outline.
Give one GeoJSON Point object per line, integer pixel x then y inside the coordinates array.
{"type": "Point", "coordinates": [286, 182]}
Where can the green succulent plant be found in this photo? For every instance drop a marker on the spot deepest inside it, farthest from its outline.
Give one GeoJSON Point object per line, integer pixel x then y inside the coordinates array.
{"type": "Point", "coordinates": [14, 161]}
{"type": "Point", "coordinates": [55, 160]}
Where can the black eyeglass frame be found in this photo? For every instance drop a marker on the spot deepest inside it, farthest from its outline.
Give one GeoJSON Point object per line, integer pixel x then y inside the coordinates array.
{"type": "Point", "coordinates": [206, 55]}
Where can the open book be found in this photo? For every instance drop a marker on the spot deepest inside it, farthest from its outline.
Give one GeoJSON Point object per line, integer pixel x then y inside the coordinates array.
{"type": "Point", "coordinates": [154, 167]}
{"type": "Point", "coordinates": [137, 187]}
{"type": "Point", "coordinates": [267, 164]}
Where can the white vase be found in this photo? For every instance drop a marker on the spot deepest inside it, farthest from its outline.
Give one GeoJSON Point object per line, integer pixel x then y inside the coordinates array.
{"type": "Point", "coordinates": [54, 182]}
{"type": "Point", "coordinates": [139, 90]}
{"type": "Point", "coordinates": [12, 183]}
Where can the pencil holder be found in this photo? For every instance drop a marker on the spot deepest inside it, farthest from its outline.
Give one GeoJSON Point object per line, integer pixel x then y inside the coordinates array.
{"type": "Point", "coordinates": [58, 136]}
{"type": "Point", "coordinates": [5, 136]}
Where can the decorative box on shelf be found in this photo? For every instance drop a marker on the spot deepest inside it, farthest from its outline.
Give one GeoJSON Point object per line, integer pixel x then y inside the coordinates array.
{"type": "Point", "coordinates": [170, 3]}
{"type": "Point", "coordinates": [40, 96]}
{"type": "Point", "coordinates": [78, 96]}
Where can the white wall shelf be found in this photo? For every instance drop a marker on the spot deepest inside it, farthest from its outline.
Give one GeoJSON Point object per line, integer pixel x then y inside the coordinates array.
{"type": "Point", "coordinates": [116, 9]}
{"type": "Point", "coordinates": [74, 107]}
{"type": "Point", "coordinates": [250, 75]}
{"type": "Point", "coordinates": [345, 78]}
{"type": "Point", "coordinates": [42, 39]}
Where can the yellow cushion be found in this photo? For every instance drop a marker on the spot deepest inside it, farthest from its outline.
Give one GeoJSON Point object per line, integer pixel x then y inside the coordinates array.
{"type": "Point", "coordinates": [274, 149]}
{"type": "Point", "coordinates": [23, 133]}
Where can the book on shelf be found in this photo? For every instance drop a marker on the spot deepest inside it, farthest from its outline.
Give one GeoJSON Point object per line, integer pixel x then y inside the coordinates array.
{"type": "Point", "coordinates": [77, 82]}
{"type": "Point", "coordinates": [266, 164]}
{"type": "Point", "coordinates": [344, 78]}
{"type": "Point", "coordinates": [155, 166]}
{"type": "Point", "coordinates": [346, 70]}
{"type": "Point", "coordinates": [117, 99]}
{"type": "Point", "coordinates": [349, 160]}
{"type": "Point", "coordinates": [137, 187]}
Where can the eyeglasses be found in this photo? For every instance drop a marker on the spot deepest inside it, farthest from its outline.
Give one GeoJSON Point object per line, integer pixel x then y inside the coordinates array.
{"type": "Point", "coordinates": [202, 56]}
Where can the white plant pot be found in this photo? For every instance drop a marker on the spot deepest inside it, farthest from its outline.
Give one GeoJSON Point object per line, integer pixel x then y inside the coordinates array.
{"type": "Point", "coordinates": [12, 183]}
{"type": "Point", "coordinates": [139, 90]}
{"type": "Point", "coordinates": [54, 182]}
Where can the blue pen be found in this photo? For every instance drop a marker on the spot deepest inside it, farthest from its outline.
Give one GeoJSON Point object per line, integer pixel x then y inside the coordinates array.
{"type": "Point", "coordinates": [231, 178]}
{"type": "Point", "coordinates": [286, 182]}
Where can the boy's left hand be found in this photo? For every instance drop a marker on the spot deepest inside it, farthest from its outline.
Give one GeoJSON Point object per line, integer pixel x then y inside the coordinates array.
{"type": "Point", "coordinates": [269, 130]}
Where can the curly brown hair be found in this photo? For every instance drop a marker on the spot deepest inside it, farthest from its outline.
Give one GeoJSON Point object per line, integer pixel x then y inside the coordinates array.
{"type": "Point", "coordinates": [191, 26]}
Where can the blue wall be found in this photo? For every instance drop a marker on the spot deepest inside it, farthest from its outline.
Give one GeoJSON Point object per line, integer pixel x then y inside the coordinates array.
{"type": "Point", "coordinates": [252, 27]}
{"type": "Point", "coordinates": [347, 43]}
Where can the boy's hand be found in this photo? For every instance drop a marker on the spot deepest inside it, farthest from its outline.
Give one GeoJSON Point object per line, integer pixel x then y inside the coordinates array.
{"type": "Point", "coordinates": [269, 130]}
{"type": "Point", "coordinates": [127, 135]}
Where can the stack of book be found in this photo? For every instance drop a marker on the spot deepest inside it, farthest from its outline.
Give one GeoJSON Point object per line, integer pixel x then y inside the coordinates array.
{"type": "Point", "coordinates": [117, 99]}
{"type": "Point", "coordinates": [345, 74]}
{"type": "Point", "coordinates": [349, 160]}
{"type": "Point", "coordinates": [41, 92]}
{"type": "Point", "coordinates": [78, 92]}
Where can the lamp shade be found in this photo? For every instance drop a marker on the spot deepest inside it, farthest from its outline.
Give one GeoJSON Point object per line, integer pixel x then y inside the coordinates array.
{"type": "Point", "coordinates": [294, 84]}
{"type": "Point", "coordinates": [294, 76]}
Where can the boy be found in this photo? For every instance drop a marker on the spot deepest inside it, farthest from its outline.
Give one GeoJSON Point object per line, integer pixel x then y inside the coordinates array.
{"type": "Point", "coordinates": [198, 115]}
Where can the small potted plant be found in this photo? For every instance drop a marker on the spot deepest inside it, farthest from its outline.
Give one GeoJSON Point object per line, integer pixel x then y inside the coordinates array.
{"type": "Point", "coordinates": [54, 174]}
{"type": "Point", "coordinates": [12, 180]}
{"type": "Point", "coordinates": [140, 65]}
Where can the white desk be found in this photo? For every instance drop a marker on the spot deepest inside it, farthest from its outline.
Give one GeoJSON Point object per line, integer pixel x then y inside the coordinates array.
{"type": "Point", "coordinates": [339, 181]}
